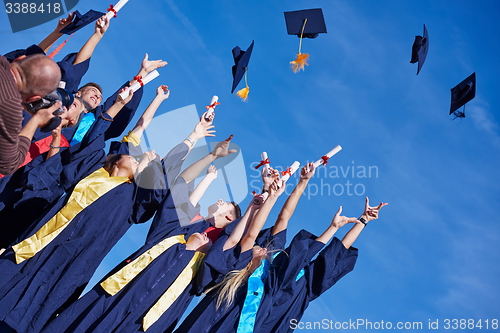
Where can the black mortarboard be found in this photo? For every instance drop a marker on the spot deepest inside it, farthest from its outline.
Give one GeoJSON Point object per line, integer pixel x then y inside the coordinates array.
{"type": "Point", "coordinates": [463, 92]}
{"type": "Point", "coordinates": [419, 49]}
{"type": "Point", "coordinates": [241, 59]}
{"type": "Point", "coordinates": [315, 22]}
{"type": "Point", "coordinates": [80, 21]}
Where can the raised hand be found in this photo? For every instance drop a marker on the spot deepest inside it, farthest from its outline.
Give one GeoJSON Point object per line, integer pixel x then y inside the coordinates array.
{"type": "Point", "coordinates": [150, 65]}
{"type": "Point", "coordinates": [162, 92]}
{"type": "Point", "coordinates": [339, 220]}
{"type": "Point", "coordinates": [222, 149]}
{"type": "Point", "coordinates": [307, 171]}
{"type": "Point", "coordinates": [64, 22]}
{"type": "Point", "coordinates": [212, 172]}
{"type": "Point", "coordinates": [371, 213]}
{"type": "Point", "coordinates": [101, 25]}
{"type": "Point", "coordinates": [127, 99]}
{"type": "Point", "coordinates": [203, 128]}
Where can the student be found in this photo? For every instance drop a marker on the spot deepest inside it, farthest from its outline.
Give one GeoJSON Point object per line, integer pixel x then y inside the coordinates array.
{"type": "Point", "coordinates": [58, 256]}
{"type": "Point", "coordinates": [219, 311]}
{"type": "Point", "coordinates": [296, 283]}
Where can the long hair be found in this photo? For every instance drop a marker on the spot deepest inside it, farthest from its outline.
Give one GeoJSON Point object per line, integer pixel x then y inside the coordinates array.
{"type": "Point", "coordinates": [229, 286]}
{"type": "Point", "coordinates": [110, 162]}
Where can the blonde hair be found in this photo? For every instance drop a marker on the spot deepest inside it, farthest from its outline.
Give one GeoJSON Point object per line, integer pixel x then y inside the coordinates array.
{"type": "Point", "coordinates": [230, 285]}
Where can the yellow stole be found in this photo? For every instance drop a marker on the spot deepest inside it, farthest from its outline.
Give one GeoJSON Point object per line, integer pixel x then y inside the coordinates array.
{"type": "Point", "coordinates": [85, 193]}
{"type": "Point", "coordinates": [120, 279]}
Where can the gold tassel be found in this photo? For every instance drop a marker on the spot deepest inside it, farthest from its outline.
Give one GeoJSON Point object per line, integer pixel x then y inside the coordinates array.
{"type": "Point", "coordinates": [243, 93]}
{"type": "Point", "coordinates": [299, 63]}
{"type": "Point", "coordinates": [56, 51]}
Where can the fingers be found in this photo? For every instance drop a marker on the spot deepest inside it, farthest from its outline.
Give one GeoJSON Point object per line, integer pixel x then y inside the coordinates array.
{"type": "Point", "coordinates": [146, 57]}
{"type": "Point", "coordinates": [339, 211]}
{"type": "Point", "coordinates": [232, 151]}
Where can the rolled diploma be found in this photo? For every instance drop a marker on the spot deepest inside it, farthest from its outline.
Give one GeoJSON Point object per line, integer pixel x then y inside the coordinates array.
{"type": "Point", "coordinates": [329, 154]}
{"type": "Point", "coordinates": [293, 168]}
{"type": "Point", "coordinates": [148, 78]}
{"type": "Point", "coordinates": [116, 7]}
{"type": "Point", "coordinates": [263, 157]}
{"type": "Point", "coordinates": [211, 109]}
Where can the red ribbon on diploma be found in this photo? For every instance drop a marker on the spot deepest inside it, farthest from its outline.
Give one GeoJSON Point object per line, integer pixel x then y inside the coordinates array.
{"type": "Point", "coordinates": [288, 171]}
{"type": "Point", "coordinates": [325, 159]}
{"type": "Point", "coordinates": [213, 105]}
{"type": "Point", "coordinates": [111, 9]}
{"type": "Point", "coordinates": [266, 161]}
{"type": "Point", "coordinates": [229, 139]}
{"type": "Point", "coordinates": [138, 78]}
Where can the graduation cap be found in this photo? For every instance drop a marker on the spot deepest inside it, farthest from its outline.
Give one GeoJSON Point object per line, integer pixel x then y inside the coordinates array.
{"type": "Point", "coordinates": [419, 49]}
{"type": "Point", "coordinates": [80, 21]}
{"type": "Point", "coordinates": [461, 94]}
{"type": "Point", "coordinates": [240, 68]}
{"type": "Point", "coordinates": [306, 23]}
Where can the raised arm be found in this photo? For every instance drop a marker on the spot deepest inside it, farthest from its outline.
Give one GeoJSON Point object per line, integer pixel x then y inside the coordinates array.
{"type": "Point", "coordinates": [220, 150]}
{"type": "Point", "coordinates": [119, 104]}
{"type": "Point", "coordinates": [337, 222]}
{"type": "Point", "coordinates": [240, 228]}
{"type": "Point", "coordinates": [148, 66]}
{"type": "Point", "coordinates": [200, 189]}
{"type": "Point", "coordinates": [56, 142]}
{"type": "Point", "coordinates": [54, 35]}
{"type": "Point", "coordinates": [260, 218]}
{"type": "Point", "coordinates": [291, 203]}
{"type": "Point", "coordinates": [101, 26]}
{"type": "Point", "coordinates": [369, 214]}
{"type": "Point", "coordinates": [162, 93]}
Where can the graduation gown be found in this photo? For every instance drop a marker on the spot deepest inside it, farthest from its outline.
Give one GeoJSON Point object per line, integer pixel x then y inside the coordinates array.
{"type": "Point", "coordinates": [292, 290]}
{"type": "Point", "coordinates": [32, 291]}
{"type": "Point", "coordinates": [98, 311]}
{"type": "Point", "coordinates": [31, 190]}
{"type": "Point", "coordinates": [205, 317]}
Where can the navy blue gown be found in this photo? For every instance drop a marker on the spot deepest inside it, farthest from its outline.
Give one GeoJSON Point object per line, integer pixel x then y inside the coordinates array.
{"type": "Point", "coordinates": [97, 311]}
{"type": "Point", "coordinates": [294, 292]}
{"type": "Point", "coordinates": [205, 317]}
{"type": "Point", "coordinates": [34, 290]}
{"type": "Point", "coordinates": [31, 190]}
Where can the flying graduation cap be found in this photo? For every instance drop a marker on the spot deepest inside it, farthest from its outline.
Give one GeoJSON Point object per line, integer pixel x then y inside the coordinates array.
{"type": "Point", "coordinates": [240, 68]}
{"type": "Point", "coordinates": [306, 23]}
{"type": "Point", "coordinates": [461, 94]}
{"type": "Point", "coordinates": [80, 21]}
{"type": "Point", "coordinates": [419, 49]}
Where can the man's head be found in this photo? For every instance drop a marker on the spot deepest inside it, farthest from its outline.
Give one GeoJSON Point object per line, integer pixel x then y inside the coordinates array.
{"type": "Point", "coordinates": [91, 95]}
{"type": "Point", "coordinates": [224, 212]}
{"type": "Point", "coordinates": [35, 76]}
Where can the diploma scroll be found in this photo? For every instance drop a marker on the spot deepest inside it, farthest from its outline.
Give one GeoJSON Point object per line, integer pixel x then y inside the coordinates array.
{"type": "Point", "coordinates": [290, 171]}
{"type": "Point", "coordinates": [113, 9]}
{"type": "Point", "coordinates": [265, 160]}
{"type": "Point", "coordinates": [140, 82]}
{"type": "Point", "coordinates": [324, 159]}
{"type": "Point", "coordinates": [211, 107]}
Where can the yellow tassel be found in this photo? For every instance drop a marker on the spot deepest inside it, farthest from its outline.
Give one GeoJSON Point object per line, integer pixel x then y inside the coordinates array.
{"type": "Point", "coordinates": [299, 63]}
{"type": "Point", "coordinates": [56, 51]}
{"type": "Point", "coordinates": [243, 93]}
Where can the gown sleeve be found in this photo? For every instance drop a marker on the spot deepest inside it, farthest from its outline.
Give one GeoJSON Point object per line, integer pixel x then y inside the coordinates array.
{"type": "Point", "coordinates": [332, 263]}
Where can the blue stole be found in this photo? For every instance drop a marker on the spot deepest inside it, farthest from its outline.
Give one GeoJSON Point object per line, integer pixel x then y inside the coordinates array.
{"type": "Point", "coordinates": [87, 121]}
{"type": "Point", "coordinates": [255, 291]}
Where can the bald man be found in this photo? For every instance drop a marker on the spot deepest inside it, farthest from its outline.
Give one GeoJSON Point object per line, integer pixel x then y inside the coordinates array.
{"type": "Point", "coordinates": [23, 81]}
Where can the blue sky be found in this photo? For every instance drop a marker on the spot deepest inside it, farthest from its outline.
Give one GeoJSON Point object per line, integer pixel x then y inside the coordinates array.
{"type": "Point", "coordinates": [433, 254]}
